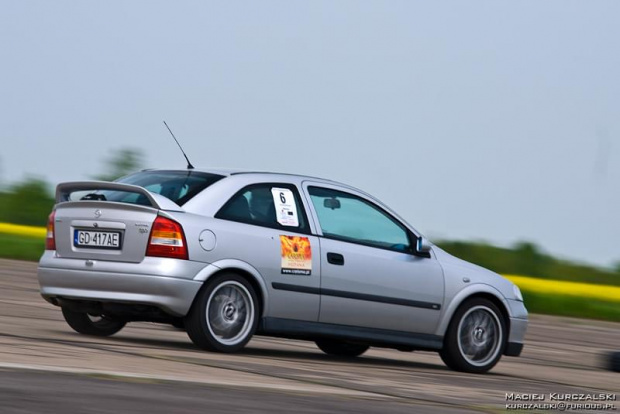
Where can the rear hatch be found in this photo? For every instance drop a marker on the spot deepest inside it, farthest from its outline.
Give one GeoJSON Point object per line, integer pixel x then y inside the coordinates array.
{"type": "Point", "coordinates": [100, 220]}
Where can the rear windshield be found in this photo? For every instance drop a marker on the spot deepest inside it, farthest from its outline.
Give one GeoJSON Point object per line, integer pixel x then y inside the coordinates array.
{"type": "Point", "coordinates": [178, 186]}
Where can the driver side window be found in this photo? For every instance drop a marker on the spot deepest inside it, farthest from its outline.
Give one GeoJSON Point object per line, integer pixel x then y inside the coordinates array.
{"type": "Point", "coordinates": [346, 217]}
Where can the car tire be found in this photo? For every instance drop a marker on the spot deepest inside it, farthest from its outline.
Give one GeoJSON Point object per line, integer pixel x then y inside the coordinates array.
{"type": "Point", "coordinates": [86, 324]}
{"type": "Point", "coordinates": [224, 315]}
{"type": "Point", "coordinates": [476, 337]}
{"type": "Point", "coordinates": [614, 361]}
{"type": "Point", "coordinates": [178, 323]}
{"type": "Point", "coordinates": [341, 348]}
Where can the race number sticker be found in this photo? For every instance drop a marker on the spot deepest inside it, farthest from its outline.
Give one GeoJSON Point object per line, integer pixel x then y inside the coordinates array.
{"type": "Point", "coordinates": [286, 210]}
{"type": "Point", "coordinates": [296, 255]}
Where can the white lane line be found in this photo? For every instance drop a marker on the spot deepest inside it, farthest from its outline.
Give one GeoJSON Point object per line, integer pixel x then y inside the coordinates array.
{"type": "Point", "coordinates": [302, 388]}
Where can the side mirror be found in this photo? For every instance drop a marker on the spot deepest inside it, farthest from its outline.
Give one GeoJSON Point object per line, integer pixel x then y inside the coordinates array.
{"type": "Point", "coordinates": [423, 247]}
{"type": "Point", "coordinates": [331, 203]}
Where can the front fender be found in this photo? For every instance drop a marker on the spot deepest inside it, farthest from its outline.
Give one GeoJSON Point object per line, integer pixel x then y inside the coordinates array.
{"type": "Point", "coordinates": [461, 296]}
{"type": "Point", "coordinates": [234, 264]}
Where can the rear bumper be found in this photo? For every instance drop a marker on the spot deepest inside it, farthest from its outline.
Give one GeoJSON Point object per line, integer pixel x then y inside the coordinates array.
{"type": "Point", "coordinates": [168, 284]}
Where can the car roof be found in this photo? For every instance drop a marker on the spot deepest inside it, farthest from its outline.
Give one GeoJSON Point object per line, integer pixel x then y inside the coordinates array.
{"type": "Point", "coordinates": [231, 172]}
{"type": "Point", "coordinates": [285, 177]}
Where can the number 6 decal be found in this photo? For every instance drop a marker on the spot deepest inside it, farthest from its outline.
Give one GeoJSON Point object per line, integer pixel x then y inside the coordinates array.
{"type": "Point", "coordinates": [286, 209]}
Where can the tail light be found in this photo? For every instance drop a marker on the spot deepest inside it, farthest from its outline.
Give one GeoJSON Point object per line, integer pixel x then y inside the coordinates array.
{"type": "Point", "coordinates": [167, 239]}
{"type": "Point", "coordinates": [50, 239]}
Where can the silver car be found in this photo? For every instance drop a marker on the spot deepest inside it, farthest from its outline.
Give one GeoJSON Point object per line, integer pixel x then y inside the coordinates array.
{"type": "Point", "coordinates": [226, 255]}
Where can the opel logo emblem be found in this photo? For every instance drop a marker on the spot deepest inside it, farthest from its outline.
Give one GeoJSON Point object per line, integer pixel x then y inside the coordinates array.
{"type": "Point", "coordinates": [97, 213]}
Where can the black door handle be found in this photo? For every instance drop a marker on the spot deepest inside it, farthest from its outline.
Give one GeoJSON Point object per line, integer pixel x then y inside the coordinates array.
{"type": "Point", "coordinates": [335, 259]}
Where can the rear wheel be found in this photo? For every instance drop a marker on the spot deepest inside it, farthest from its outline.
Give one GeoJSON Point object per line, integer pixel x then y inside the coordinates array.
{"type": "Point", "coordinates": [225, 314]}
{"type": "Point", "coordinates": [84, 323]}
{"type": "Point", "coordinates": [476, 337]}
{"type": "Point", "coordinates": [340, 348]}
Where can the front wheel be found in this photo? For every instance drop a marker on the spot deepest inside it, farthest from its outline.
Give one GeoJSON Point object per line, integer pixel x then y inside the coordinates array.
{"type": "Point", "coordinates": [225, 314]}
{"type": "Point", "coordinates": [614, 361]}
{"type": "Point", "coordinates": [476, 337]}
{"type": "Point", "coordinates": [87, 324]}
{"type": "Point", "coordinates": [340, 348]}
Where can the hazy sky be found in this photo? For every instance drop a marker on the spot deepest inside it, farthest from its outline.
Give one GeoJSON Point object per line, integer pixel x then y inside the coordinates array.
{"type": "Point", "coordinates": [494, 120]}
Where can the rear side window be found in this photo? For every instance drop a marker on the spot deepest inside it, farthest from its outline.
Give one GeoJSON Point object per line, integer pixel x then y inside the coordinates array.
{"type": "Point", "coordinates": [178, 186]}
{"type": "Point", "coordinates": [271, 205]}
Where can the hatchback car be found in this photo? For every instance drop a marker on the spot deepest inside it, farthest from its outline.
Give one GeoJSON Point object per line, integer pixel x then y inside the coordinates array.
{"type": "Point", "coordinates": [227, 255]}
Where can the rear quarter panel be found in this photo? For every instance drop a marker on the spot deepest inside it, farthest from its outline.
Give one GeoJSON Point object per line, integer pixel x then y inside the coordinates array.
{"type": "Point", "coordinates": [256, 251]}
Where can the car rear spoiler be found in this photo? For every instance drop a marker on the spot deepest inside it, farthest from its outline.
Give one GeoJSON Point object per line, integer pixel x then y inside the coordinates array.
{"type": "Point", "coordinates": [64, 190]}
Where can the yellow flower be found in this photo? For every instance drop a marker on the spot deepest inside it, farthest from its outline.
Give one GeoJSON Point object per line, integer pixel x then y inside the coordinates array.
{"type": "Point", "coordinates": [561, 287]}
{"type": "Point", "coordinates": [29, 231]}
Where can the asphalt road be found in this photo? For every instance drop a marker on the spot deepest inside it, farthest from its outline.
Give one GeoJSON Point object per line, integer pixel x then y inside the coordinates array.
{"type": "Point", "coordinates": [45, 367]}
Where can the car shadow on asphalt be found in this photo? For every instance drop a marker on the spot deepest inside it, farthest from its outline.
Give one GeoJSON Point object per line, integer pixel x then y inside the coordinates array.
{"type": "Point", "coordinates": [301, 354]}
{"type": "Point", "coordinates": [321, 357]}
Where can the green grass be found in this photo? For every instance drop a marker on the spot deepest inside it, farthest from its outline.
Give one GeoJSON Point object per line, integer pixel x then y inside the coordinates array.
{"type": "Point", "coordinates": [21, 247]}
{"type": "Point", "coordinates": [571, 306]}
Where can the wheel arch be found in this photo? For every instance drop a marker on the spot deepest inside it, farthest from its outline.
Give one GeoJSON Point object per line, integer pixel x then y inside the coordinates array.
{"type": "Point", "coordinates": [474, 291]}
{"type": "Point", "coordinates": [244, 270]}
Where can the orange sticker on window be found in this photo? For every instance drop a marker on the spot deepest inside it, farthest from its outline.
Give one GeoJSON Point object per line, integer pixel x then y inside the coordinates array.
{"type": "Point", "coordinates": [296, 255]}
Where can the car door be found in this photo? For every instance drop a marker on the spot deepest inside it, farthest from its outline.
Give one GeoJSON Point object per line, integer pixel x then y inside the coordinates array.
{"type": "Point", "coordinates": [266, 226]}
{"type": "Point", "coordinates": [369, 276]}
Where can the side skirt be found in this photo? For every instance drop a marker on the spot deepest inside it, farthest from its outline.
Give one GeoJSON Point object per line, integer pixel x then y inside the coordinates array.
{"type": "Point", "coordinates": [294, 329]}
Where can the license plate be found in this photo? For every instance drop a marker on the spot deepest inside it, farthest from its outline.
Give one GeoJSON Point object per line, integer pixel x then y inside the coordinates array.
{"type": "Point", "coordinates": [97, 239]}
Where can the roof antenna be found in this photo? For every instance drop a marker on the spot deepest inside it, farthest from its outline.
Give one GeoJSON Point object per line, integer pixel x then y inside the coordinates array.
{"type": "Point", "coordinates": [189, 164]}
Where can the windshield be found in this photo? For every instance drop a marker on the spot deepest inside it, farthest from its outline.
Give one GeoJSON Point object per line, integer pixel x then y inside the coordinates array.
{"type": "Point", "coordinates": [178, 186]}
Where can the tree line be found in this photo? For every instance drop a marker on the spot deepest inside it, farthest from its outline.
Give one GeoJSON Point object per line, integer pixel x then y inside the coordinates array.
{"type": "Point", "coordinates": [526, 258]}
